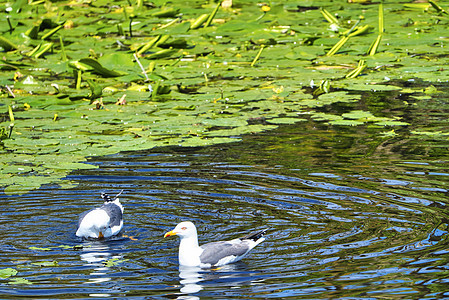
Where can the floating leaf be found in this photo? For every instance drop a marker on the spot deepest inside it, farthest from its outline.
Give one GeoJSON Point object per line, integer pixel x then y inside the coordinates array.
{"type": "Point", "coordinates": [220, 97]}
{"type": "Point", "coordinates": [391, 123]}
{"type": "Point", "coordinates": [8, 272]}
{"type": "Point", "coordinates": [285, 120]}
{"type": "Point", "coordinates": [345, 122]}
{"type": "Point", "coordinates": [19, 281]}
{"type": "Point", "coordinates": [39, 249]}
{"type": "Point", "coordinates": [46, 263]}
{"type": "Point", "coordinates": [71, 166]}
{"type": "Point", "coordinates": [363, 116]}
{"type": "Point", "coordinates": [113, 262]}
{"type": "Point", "coordinates": [117, 61]}
{"type": "Point", "coordinates": [66, 247]}
{"type": "Point", "coordinates": [225, 122]}
{"type": "Point", "coordinates": [238, 131]}
{"type": "Point", "coordinates": [98, 68]}
{"type": "Point", "coordinates": [325, 117]}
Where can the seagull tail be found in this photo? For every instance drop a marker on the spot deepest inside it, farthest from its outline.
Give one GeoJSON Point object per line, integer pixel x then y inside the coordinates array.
{"type": "Point", "coordinates": [255, 236]}
{"type": "Point", "coordinates": [107, 198]}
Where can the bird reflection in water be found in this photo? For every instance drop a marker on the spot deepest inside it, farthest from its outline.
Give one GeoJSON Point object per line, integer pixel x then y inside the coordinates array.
{"type": "Point", "coordinates": [193, 279]}
{"type": "Point", "coordinates": [97, 254]}
{"type": "Point", "coordinates": [189, 278]}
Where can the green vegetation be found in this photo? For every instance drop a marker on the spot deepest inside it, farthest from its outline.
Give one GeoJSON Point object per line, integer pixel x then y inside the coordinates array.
{"type": "Point", "coordinates": [8, 272]}
{"type": "Point", "coordinates": [91, 78]}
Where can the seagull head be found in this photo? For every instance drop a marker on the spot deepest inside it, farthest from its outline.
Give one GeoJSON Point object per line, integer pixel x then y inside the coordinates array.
{"type": "Point", "coordinates": [183, 229]}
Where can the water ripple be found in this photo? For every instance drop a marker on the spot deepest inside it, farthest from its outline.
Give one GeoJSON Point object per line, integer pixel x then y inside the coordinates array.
{"type": "Point", "coordinates": [328, 233]}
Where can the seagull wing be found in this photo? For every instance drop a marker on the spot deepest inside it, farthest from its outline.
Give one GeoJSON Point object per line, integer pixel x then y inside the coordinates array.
{"type": "Point", "coordinates": [114, 212]}
{"type": "Point", "coordinates": [224, 250]}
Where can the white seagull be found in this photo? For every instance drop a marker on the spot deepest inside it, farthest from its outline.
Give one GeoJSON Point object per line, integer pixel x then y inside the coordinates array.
{"type": "Point", "coordinates": [102, 222]}
{"type": "Point", "coordinates": [212, 254]}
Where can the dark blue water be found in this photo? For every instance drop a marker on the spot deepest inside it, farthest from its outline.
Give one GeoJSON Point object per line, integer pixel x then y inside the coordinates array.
{"type": "Point", "coordinates": [348, 220]}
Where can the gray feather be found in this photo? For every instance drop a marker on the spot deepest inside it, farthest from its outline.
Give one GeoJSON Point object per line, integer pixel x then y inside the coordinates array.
{"type": "Point", "coordinates": [215, 251]}
{"type": "Point", "coordinates": [114, 212]}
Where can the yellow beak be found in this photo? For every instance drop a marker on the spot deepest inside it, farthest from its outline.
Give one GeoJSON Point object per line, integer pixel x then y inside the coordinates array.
{"type": "Point", "coordinates": [170, 233]}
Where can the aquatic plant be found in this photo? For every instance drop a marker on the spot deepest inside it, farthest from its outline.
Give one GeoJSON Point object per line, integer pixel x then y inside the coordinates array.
{"type": "Point", "coordinates": [87, 79]}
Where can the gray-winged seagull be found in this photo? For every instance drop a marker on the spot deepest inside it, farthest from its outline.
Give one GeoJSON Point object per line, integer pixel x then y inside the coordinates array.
{"type": "Point", "coordinates": [215, 253]}
{"type": "Point", "coordinates": [102, 222]}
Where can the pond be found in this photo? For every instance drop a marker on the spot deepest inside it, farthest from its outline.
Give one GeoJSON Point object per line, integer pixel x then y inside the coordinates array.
{"type": "Point", "coordinates": [351, 212]}
{"type": "Point", "coordinates": [325, 124]}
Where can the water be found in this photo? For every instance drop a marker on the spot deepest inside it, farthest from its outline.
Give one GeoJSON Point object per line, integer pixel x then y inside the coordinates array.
{"type": "Point", "coordinates": [352, 215]}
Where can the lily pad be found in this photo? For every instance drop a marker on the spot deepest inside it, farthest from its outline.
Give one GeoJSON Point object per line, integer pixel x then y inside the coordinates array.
{"type": "Point", "coordinates": [98, 68]}
{"type": "Point", "coordinates": [392, 123]}
{"type": "Point", "coordinates": [46, 263]}
{"type": "Point", "coordinates": [19, 280]}
{"type": "Point", "coordinates": [285, 120]}
{"type": "Point", "coordinates": [113, 262]}
{"type": "Point", "coordinates": [8, 272]}
{"type": "Point", "coordinates": [40, 249]}
{"type": "Point", "coordinates": [86, 93]}
{"type": "Point", "coordinates": [345, 122]}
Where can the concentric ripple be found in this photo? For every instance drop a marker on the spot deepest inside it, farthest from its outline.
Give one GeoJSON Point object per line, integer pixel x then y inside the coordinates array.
{"type": "Point", "coordinates": [331, 235]}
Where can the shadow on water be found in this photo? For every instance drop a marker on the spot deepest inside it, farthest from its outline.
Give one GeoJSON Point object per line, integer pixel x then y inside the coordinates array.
{"type": "Point", "coordinates": [353, 214]}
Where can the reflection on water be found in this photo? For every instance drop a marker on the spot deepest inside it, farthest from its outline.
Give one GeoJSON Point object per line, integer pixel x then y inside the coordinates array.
{"type": "Point", "coordinates": [342, 224]}
{"type": "Point", "coordinates": [194, 279]}
{"type": "Point", "coordinates": [95, 254]}
{"type": "Point", "coordinates": [189, 280]}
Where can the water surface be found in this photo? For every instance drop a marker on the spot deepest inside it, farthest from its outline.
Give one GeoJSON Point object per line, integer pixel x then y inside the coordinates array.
{"type": "Point", "coordinates": [352, 215]}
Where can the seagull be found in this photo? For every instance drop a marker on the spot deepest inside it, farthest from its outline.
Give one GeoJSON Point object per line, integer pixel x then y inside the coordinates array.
{"type": "Point", "coordinates": [212, 254]}
{"type": "Point", "coordinates": [102, 222]}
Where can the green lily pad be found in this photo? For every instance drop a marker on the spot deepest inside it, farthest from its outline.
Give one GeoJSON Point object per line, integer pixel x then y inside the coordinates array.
{"type": "Point", "coordinates": [46, 263]}
{"type": "Point", "coordinates": [19, 281]}
{"type": "Point", "coordinates": [8, 272]}
{"type": "Point", "coordinates": [85, 93]}
{"type": "Point", "coordinates": [98, 68]}
{"type": "Point", "coordinates": [40, 249]}
{"type": "Point", "coordinates": [392, 123]}
{"type": "Point", "coordinates": [224, 122]}
{"type": "Point", "coordinates": [285, 120]}
{"type": "Point", "coordinates": [71, 166]}
{"type": "Point", "coordinates": [363, 116]}
{"type": "Point", "coordinates": [345, 122]}
{"type": "Point", "coordinates": [113, 262]}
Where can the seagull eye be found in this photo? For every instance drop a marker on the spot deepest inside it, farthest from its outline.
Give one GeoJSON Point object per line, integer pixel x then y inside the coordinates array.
{"type": "Point", "coordinates": [184, 228]}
